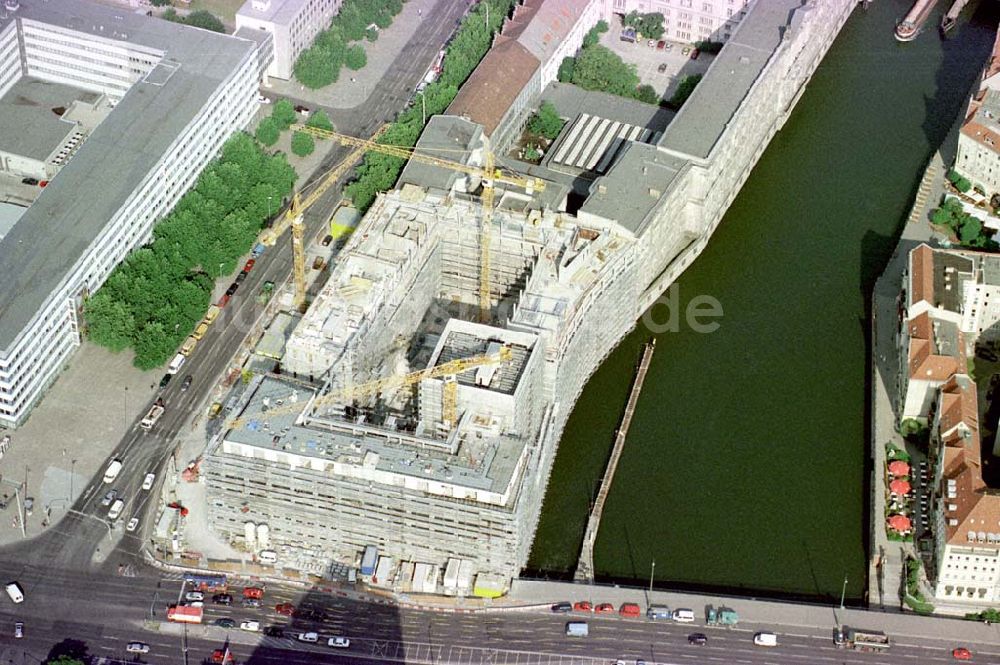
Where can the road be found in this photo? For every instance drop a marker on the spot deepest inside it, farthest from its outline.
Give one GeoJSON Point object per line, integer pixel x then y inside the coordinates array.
{"type": "Point", "coordinates": [105, 612]}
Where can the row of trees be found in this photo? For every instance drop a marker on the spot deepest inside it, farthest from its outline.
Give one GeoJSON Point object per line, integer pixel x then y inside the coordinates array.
{"type": "Point", "coordinates": [379, 172]}
{"type": "Point", "coordinates": [152, 301]}
{"type": "Point", "coordinates": [283, 116]}
{"type": "Point", "coordinates": [969, 230]}
{"type": "Point", "coordinates": [320, 64]}
{"type": "Point", "coordinates": [197, 19]}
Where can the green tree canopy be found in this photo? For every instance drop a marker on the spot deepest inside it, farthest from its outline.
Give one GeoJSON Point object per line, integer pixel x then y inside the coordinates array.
{"type": "Point", "coordinates": [355, 57]}
{"type": "Point", "coordinates": [565, 73]}
{"type": "Point", "coordinates": [283, 114]}
{"type": "Point", "coordinates": [268, 132]}
{"type": "Point", "coordinates": [206, 20]}
{"type": "Point", "coordinates": [546, 122]}
{"type": "Point", "coordinates": [65, 660]}
{"type": "Point", "coordinates": [598, 68]}
{"type": "Point", "coordinates": [303, 144]}
{"type": "Point", "coordinates": [593, 36]}
{"type": "Point", "coordinates": [649, 26]}
{"type": "Point", "coordinates": [320, 120]}
{"type": "Point", "coordinates": [684, 90]}
{"type": "Point", "coordinates": [646, 93]}
{"type": "Point", "coordinates": [317, 67]}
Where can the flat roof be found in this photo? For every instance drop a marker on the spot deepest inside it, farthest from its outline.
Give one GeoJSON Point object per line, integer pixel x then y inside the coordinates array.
{"type": "Point", "coordinates": [448, 137]}
{"type": "Point", "coordinates": [633, 187]}
{"type": "Point", "coordinates": [55, 232]}
{"type": "Point", "coordinates": [706, 114]}
{"type": "Point", "coordinates": [279, 12]}
{"type": "Point", "coordinates": [479, 463]}
{"type": "Point", "coordinates": [28, 125]}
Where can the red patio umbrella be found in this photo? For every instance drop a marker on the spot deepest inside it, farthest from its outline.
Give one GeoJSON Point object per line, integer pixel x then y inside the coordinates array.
{"type": "Point", "coordinates": [899, 487]}
{"type": "Point", "coordinates": [899, 523]}
{"type": "Point", "coordinates": [899, 468]}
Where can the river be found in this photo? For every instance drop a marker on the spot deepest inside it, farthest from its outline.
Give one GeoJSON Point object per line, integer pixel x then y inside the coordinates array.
{"type": "Point", "coordinates": [745, 468]}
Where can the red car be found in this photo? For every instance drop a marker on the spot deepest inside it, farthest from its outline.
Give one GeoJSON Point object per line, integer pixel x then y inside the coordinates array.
{"type": "Point", "coordinates": [285, 608]}
{"type": "Point", "coordinates": [253, 592]}
{"type": "Point", "coordinates": [629, 610]}
{"type": "Point", "coordinates": [583, 606]}
{"type": "Point", "coordinates": [695, 53]}
{"type": "Point", "coordinates": [605, 608]}
{"type": "Point", "coordinates": [219, 655]}
{"type": "Point", "coordinates": [223, 300]}
{"type": "Point", "coordinates": [249, 265]}
{"type": "Point", "coordinates": [961, 654]}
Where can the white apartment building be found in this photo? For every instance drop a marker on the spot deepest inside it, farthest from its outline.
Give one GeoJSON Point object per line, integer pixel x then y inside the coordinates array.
{"type": "Point", "coordinates": [293, 25]}
{"type": "Point", "coordinates": [978, 156]}
{"type": "Point", "coordinates": [689, 20]}
{"type": "Point", "coordinates": [169, 109]}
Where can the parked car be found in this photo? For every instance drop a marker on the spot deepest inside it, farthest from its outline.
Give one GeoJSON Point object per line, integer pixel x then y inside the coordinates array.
{"type": "Point", "coordinates": [137, 647]}
{"type": "Point", "coordinates": [285, 608]}
{"type": "Point", "coordinates": [662, 68]}
{"type": "Point", "coordinates": [232, 289]}
{"type": "Point", "coordinates": [685, 50]}
{"type": "Point", "coordinates": [222, 599]}
{"type": "Point", "coordinates": [29, 181]}
{"type": "Point", "coordinates": [250, 625]}
{"type": "Point", "coordinates": [668, 47]}
{"type": "Point", "coordinates": [223, 301]}
{"type": "Point", "coordinates": [240, 277]}
{"type": "Point", "coordinates": [695, 53]}
{"type": "Point", "coordinates": [327, 240]}
{"type": "Point", "coordinates": [261, 99]}
{"type": "Point", "coordinates": [660, 45]}
{"type": "Point", "coordinates": [165, 380]}
{"type": "Point", "coordinates": [961, 653]}
{"type": "Point", "coordinates": [248, 266]}
{"type": "Point", "coordinates": [651, 43]}
{"type": "Point", "coordinates": [562, 607]}
{"type": "Point", "coordinates": [318, 263]}
{"type": "Point", "coordinates": [583, 606]}
{"type": "Point", "coordinates": [629, 610]}
{"type": "Point", "coordinates": [605, 608]}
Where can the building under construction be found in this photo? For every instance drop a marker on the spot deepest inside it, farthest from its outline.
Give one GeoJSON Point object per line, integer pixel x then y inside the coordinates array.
{"type": "Point", "coordinates": [423, 396]}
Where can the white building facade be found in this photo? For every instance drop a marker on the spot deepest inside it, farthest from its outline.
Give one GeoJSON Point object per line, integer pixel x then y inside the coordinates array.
{"type": "Point", "coordinates": [293, 25]}
{"type": "Point", "coordinates": [87, 47]}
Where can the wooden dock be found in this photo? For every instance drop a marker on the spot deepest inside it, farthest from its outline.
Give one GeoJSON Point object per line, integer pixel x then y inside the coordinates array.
{"type": "Point", "coordinates": [585, 566]}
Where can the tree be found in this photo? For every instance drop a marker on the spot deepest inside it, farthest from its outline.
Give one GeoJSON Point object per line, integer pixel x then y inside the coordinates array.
{"type": "Point", "coordinates": [646, 93]}
{"type": "Point", "coordinates": [316, 67]}
{"type": "Point", "coordinates": [283, 114]}
{"type": "Point", "coordinates": [961, 183]}
{"type": "Point", "coordinates": [970, 231]}
{"type": "Point", "coordinates": [531, 153]}
{"type": "Point", "coordinates": [109, 322]}
{"type": "Point", "coordinates": [64, 660]}
{"type": "Point", "coordinates": [684, 90]}
{"type": "Point", "coordinates": [546, 122]}
{"type": "Point", "coordinates": [205, 20]}
{"type": "Point", "coordinates": [597, 68]}
{"type": "Point", "coordinates": [565, 74]}
{"type": "Point", "coordinates": [268, 132]}
{"type": "Point", "coordinates": [320, 120]}
{"type": "Point", "coordinates": [303, 144]}
{"type": "Point", "coordinates": [355, 57]}
{"type": "Point", "coordinates": [709, 46]}
{"type": "Point", "coordinates": [160, 3]}
{"type": "Point", "coordinates": [593, 36]}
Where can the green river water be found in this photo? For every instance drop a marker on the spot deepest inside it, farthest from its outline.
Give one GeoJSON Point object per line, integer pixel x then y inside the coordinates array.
{"type": "Point", "coordinates": [745, 467]}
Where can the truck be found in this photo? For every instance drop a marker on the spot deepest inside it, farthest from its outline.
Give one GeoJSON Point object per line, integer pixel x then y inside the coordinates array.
{"type": "Point", "coordinates": [722, 616]}
{"type": "Point", "coordinates": [860, 639]}
{"type": "Point", "coordinates": [184, 614]}
{"type": "Point", "coordinates": [153, 414]}
{"type": "Point", "coordinates": [368, 560]}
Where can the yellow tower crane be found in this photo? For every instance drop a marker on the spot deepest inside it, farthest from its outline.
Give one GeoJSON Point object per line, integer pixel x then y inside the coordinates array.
{"type": "Point", "coordinates": [450, 369]}
{"type": "Point", "coordinates": [293, 218]}
{"type": "Point", "coordinates": [488, 174]}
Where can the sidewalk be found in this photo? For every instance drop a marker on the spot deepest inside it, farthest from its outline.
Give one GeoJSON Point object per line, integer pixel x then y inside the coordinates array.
{"type": "Point", "coordinates": [68, 436]}
{"type": "Point", "coordinates": [887, 558]}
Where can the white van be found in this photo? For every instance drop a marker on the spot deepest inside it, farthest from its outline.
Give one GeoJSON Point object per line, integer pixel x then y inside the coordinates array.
{"type": "Point", "coordinates": [577, 629]}
{"type": "Point", "coordinates": [116, 509]}
{"type": "Point", "coordinates": [765, 639]}
{"type": "Point", "coordinates": [683, 616]}
{"type": "Point", "coordinates": [112, 472]}
{"type": "Point", "coordinates": [14, 591]}
{"type": "Point", "coordinates": [175, 364]}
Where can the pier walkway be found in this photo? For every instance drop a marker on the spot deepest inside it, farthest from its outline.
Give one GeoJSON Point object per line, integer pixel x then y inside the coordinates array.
{"type": "Point", "coordinates": [585, 566]}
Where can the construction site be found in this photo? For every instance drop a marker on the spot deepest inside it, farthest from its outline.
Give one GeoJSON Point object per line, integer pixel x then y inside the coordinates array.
{"type": "Point", "coordinates": [418, 403]}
